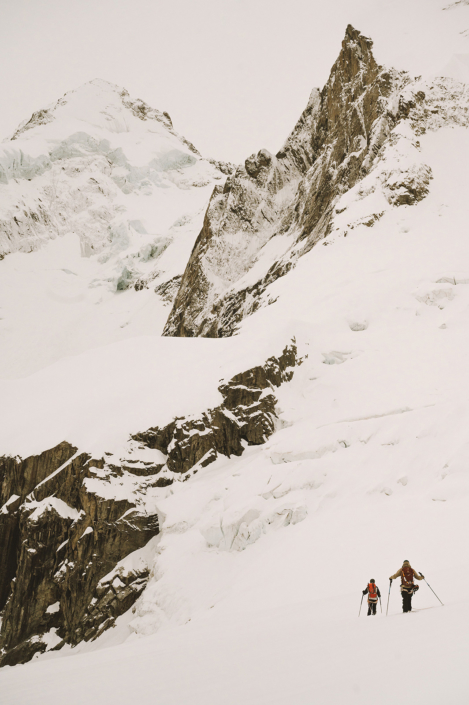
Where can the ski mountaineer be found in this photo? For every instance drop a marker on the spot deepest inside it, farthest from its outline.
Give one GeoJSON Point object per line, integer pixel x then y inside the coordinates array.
{"type": "Point", "coordinates": [373, 593]}
{"type": "Point", "coordinates": [407, 575]}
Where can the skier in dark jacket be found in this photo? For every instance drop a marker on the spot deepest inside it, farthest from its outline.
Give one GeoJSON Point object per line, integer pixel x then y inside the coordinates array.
{"type": "Point", "coordinates": [373, 594]}
{"type": "Point", "coordinates": [407, 575]}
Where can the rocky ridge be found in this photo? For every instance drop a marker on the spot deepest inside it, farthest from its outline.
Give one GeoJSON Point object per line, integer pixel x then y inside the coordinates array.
{"type": "Point", "coordinates": [70, 523]}
{"type": "Point", "coordinates": [63, 529]}
{"type": "Point", "coordinates": [276, 208]}
{"type": "Point", "coordinates": [245, 417]}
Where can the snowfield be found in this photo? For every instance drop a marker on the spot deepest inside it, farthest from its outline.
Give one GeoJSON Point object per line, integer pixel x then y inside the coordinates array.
{"type": "Point", "coordinates": [300, 651]}
{"type": "Point", "coordinates": [256, 576]}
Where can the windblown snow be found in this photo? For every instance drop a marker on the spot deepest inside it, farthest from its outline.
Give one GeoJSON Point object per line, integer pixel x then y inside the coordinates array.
{"type": "Point", "coordinates": [256, 576]}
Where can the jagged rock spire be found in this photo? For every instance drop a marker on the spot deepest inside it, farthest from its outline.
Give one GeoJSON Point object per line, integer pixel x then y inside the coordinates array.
{"type": "Point", "coordinates": [291, 193]}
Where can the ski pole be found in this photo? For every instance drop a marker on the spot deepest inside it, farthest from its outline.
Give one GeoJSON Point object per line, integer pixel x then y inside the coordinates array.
{"type": "Point", "coordinates": [389, 593]}
{"type": "Point", "coordinates": [381, 605]}
{"type": "Point", "coordinates": [360, 606]}
{"type": "Point", "coordinates": [432, 590]}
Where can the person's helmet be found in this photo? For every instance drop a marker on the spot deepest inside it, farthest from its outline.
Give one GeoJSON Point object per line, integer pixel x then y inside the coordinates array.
{"type": "Point", "coordinates": [372, 580]}
{"type": "Point", "coordinates": [406, 563]}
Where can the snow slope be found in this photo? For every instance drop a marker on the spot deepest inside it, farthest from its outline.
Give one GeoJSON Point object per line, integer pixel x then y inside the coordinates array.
{"type": "Point", "coordinates": [100, 202]}
{"type": "Point", "coordinates": [307, 649]}
{"type": "Point", "coordinates": [98, 398]}
{"type": "Point", "coordinates": [257, 574]}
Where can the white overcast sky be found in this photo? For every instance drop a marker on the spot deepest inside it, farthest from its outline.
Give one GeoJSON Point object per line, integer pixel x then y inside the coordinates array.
{"type": "Point", "coordinates": [233, 74]}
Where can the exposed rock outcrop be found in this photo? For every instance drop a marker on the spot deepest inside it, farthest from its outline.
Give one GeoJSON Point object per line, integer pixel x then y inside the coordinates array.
{"type": "Point", "coordinates": [246, 417]}
{"type": "Point", "coordinates": [288, 196]}
{"type": "Point", "coordinates": [62, 529]}
{"type": "Point", "coordinates": [68, 520]}
{"type": "Point", "coordinates": [168, 290]}
{"type": "Point", "coordinates": [276, 208]}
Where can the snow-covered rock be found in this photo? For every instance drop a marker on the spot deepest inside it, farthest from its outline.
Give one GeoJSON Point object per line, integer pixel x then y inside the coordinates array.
{"type": "Point", "coordinates": [104, 197]}
{"type": "Point", "coordinates": [278, 502]}
{"type": "Point", "coordinates": [70, 167]}
{"type": "Point", "coordinates": [357, 138]}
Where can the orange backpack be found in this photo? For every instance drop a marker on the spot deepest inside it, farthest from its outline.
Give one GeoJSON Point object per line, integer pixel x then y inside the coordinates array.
{"type": "Point", "coordinates": [372, 594]}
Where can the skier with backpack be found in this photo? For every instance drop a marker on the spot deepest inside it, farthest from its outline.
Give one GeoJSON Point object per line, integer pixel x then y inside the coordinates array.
{"type": "Point", "coordinates": [373, 594]}
{"type": "Point", "coordinates": [407, 575]}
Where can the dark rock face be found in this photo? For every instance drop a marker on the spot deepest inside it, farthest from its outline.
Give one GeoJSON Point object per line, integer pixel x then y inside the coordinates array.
{"type": "Point", "coordinates": [114, 595]}
{"type": "Point", "coordinates": [246, 417]}
{"type": "Point", "coordinates": [350, 130]}
{"type": "Point", "coordinates": [17, 480]}
{"type": "Point", "coordinates": [59, 537]}
{"type": "Point", "coordinates": [408, 187]}
{"type": "Point", "coordinates": [168, 290]}
{"type": "Point", "coordinates": [290, 196]}
{"type": "Point", "coordinates": [64, 530]}
{"type": "Point", "coordinates": [247, 207]}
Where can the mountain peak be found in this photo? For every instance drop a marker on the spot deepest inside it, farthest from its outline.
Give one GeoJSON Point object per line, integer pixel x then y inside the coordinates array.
{"type": "Point", "coordinates": [356, 35]}
{"type": "Point", "coordinates": [99, 103]}
{"type": "Point", "coordinates": [356, 54]}
{"type": "Point", "coordinates": [103, 84]}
